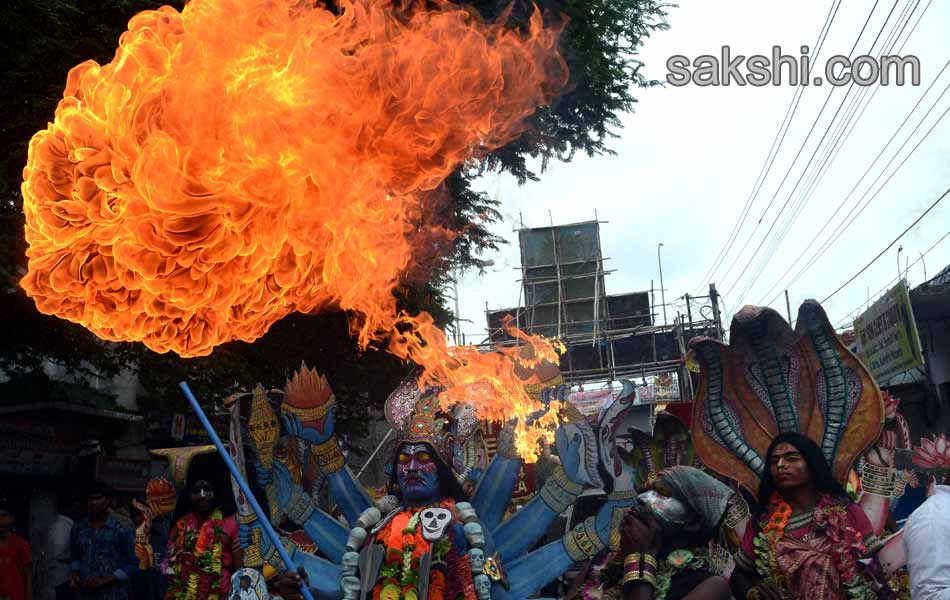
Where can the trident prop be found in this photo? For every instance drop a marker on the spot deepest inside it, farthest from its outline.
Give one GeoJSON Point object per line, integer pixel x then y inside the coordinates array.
{"type": "Point", "coordinates": [226, 457]}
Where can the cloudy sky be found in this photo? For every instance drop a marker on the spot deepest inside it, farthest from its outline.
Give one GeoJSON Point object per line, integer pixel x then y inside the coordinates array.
{"type": "Point", "coordinates": [689, 157]}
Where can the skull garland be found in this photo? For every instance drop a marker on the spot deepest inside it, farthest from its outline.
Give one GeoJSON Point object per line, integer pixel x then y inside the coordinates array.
{"type": "Point", "coordinates": [435, 523]}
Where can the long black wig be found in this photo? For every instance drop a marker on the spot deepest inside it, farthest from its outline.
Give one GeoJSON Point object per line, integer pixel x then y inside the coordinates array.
{"type": "Point", "coordinates": [821, 474]}
{"type": "Point", "coordinates": [211, 468]}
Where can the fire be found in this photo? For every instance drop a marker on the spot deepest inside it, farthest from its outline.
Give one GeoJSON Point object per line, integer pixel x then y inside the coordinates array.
{"type": "Point", "coordinates": [246, 159]}
{"type": "Point", "coordinates": [493, 382]}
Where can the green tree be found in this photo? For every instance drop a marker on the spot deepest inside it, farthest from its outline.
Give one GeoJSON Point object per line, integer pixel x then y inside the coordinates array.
{"type": "Point", "coordinates": [48, 37]}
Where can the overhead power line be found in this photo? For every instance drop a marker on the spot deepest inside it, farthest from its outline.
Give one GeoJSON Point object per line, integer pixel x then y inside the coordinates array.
{"type": "Point", "coordinates": [773, 149]}
{"type": "Point", "coordinates": [842, 226]}
{"type": "Point", "coordinates": [887, 285]}
{"type": "Point", "coordinates": [842, 133]}
{"type": "Point", "coordinates": [889, 246]}
{"type": "Point", "coordinates": [794, 161]}
{"type": "Point", "coordinates": [847, 135]}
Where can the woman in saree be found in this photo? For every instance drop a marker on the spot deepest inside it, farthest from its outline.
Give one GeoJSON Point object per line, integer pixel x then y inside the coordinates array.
{"type": "Point", "coordinates": [809, 537]}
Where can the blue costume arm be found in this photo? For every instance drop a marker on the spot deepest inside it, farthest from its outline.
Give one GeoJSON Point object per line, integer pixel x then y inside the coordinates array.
{"type": "Point", "coordinates": [494, 490]}
{"type": "Point", "coordinates": [517, 534]}
{"type": "Point", "coordinates": [575, 443]}
{"type": "Point", "coordinates": [348, 494]}
{"type": "Point", "coordinates": [498, 591]}
{"type": "Point", "coordinates": [321, 526]}
{"type": "Point", "coordinates": [532, 572]}
{"type": "Point", "coordinates": [328, 533]}
{"type": "Point", "coordinates": [345, 490]}
{"type": "Point", "coordinates": [322, 575]}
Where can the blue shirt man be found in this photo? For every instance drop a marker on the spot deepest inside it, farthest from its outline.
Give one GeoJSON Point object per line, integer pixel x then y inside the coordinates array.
{"type": "Point", "coordinates": [103, 551]}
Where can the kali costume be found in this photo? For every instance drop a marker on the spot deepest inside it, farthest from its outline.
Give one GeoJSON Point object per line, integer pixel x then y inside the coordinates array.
{"type": "Point", "coordinates": [769, 380]}
{"type": "Point", "coordinates": [452, 550]}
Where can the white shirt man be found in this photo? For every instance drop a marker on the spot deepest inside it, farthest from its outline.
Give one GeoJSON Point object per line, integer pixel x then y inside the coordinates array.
{"type": "Point", "coordinates": [926, 541]}
{"type": "Point", "coordinates": [59, 553]}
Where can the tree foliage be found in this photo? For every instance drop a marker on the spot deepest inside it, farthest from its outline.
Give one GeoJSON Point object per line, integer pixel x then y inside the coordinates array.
{"type": "Point", "coordinates": [48, 37]}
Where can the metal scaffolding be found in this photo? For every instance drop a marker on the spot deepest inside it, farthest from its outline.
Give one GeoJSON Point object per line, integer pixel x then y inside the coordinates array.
{"type": "Point", "coordinates": [608, 337]}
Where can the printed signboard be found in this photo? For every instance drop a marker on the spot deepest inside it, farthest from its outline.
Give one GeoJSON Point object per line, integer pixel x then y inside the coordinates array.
{"type": "Point", "coordinates": [886, 335]}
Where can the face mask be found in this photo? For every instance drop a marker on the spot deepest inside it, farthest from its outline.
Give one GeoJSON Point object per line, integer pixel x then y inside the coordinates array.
{"type": "Point", "coordinates": [672, 514]}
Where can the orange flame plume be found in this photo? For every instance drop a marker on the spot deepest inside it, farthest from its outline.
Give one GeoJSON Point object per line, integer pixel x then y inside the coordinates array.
{"type": "Point", "coordinates": [246, 159]}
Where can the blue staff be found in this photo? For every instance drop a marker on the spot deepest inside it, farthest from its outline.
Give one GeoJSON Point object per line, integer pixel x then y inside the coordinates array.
{"type": "Point", "coordinates": [226, 456]}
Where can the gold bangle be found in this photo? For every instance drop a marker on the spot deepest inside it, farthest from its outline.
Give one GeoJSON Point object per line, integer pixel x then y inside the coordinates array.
{"type": "Point", "coordinates": [636, 576]}
{"type": "Point", "coordinates": [737, 511]}
{"type": "Point", "coordinates": [632, 576]}
{"type": "Point", "coordinates": [650, 560]}
{"type": "Point", "coordinates": [329, 455]}
{"type": "Point", "coordinates": [561, 479]}
{"type": "Point", "coordinates": [632, 558]}
{"type": "Point", "coordinates": [246, 519]}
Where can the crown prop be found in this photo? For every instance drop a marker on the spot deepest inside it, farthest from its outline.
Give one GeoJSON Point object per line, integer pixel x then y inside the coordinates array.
{"type": "Point", "coordinates": [309, 396]}
{"type": "Point", "coordinates": [417, 417]}
{"type": "Point", "coordinates": [770, 380]}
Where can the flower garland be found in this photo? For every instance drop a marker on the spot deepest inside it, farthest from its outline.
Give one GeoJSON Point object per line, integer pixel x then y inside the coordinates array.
{"type": "Point", "coordinates": [450, 577]}
{"type": "Point", "coordinates": [846, 546]}
{"type": "Point", "coordinates": [197, 561]}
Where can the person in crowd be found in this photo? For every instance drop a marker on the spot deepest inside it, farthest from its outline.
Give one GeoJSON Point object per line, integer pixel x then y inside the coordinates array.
{"type": "Point", "coordinates": [58, 547]}
{"type": "Point", "coordinates": [203, 545]}
{"type": "Point", "coordinates": [244, 592]}
{"type": "Point", "coordinates": [16, 560]}
{"type": "Point", "coordinates": [102, 549]}
{"type": "Point", "coordinates": [926, 541]}
{"type": "Point", "coordinates": [665, 551]}
{"type": "Point", "coordinates": [809, 538]}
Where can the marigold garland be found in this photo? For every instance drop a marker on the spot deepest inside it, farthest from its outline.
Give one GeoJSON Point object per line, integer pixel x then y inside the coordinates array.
{"type": "Point", "coordinates": [197, 560]}
{"type": "Point", "coordinates": [846, 547]}
{"type": "Point", "coordinates": [399, 576]}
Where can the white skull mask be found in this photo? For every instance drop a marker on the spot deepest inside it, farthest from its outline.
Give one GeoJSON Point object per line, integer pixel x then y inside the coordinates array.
{"type": "Point", "coordinates": [435, 522]}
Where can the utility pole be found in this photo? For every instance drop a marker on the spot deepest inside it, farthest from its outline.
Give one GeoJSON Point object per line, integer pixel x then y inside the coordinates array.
{"type": "Point", "coordinates": [689, 315]}
{"type": "Point", "coordinates": [899, 250]}
{"type": "Point", "coordinates": [653, 305]}
{"type": "Point", "coordinates": [714, 299]}
{"type": "Point", "coordinates": [788, 308]}
{"type": "Point", "coordinates": [662, 287]}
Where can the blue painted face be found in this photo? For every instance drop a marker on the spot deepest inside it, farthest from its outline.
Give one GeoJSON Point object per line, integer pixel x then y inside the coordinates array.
{"type": "Point", "coordinates": [417, 475]}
